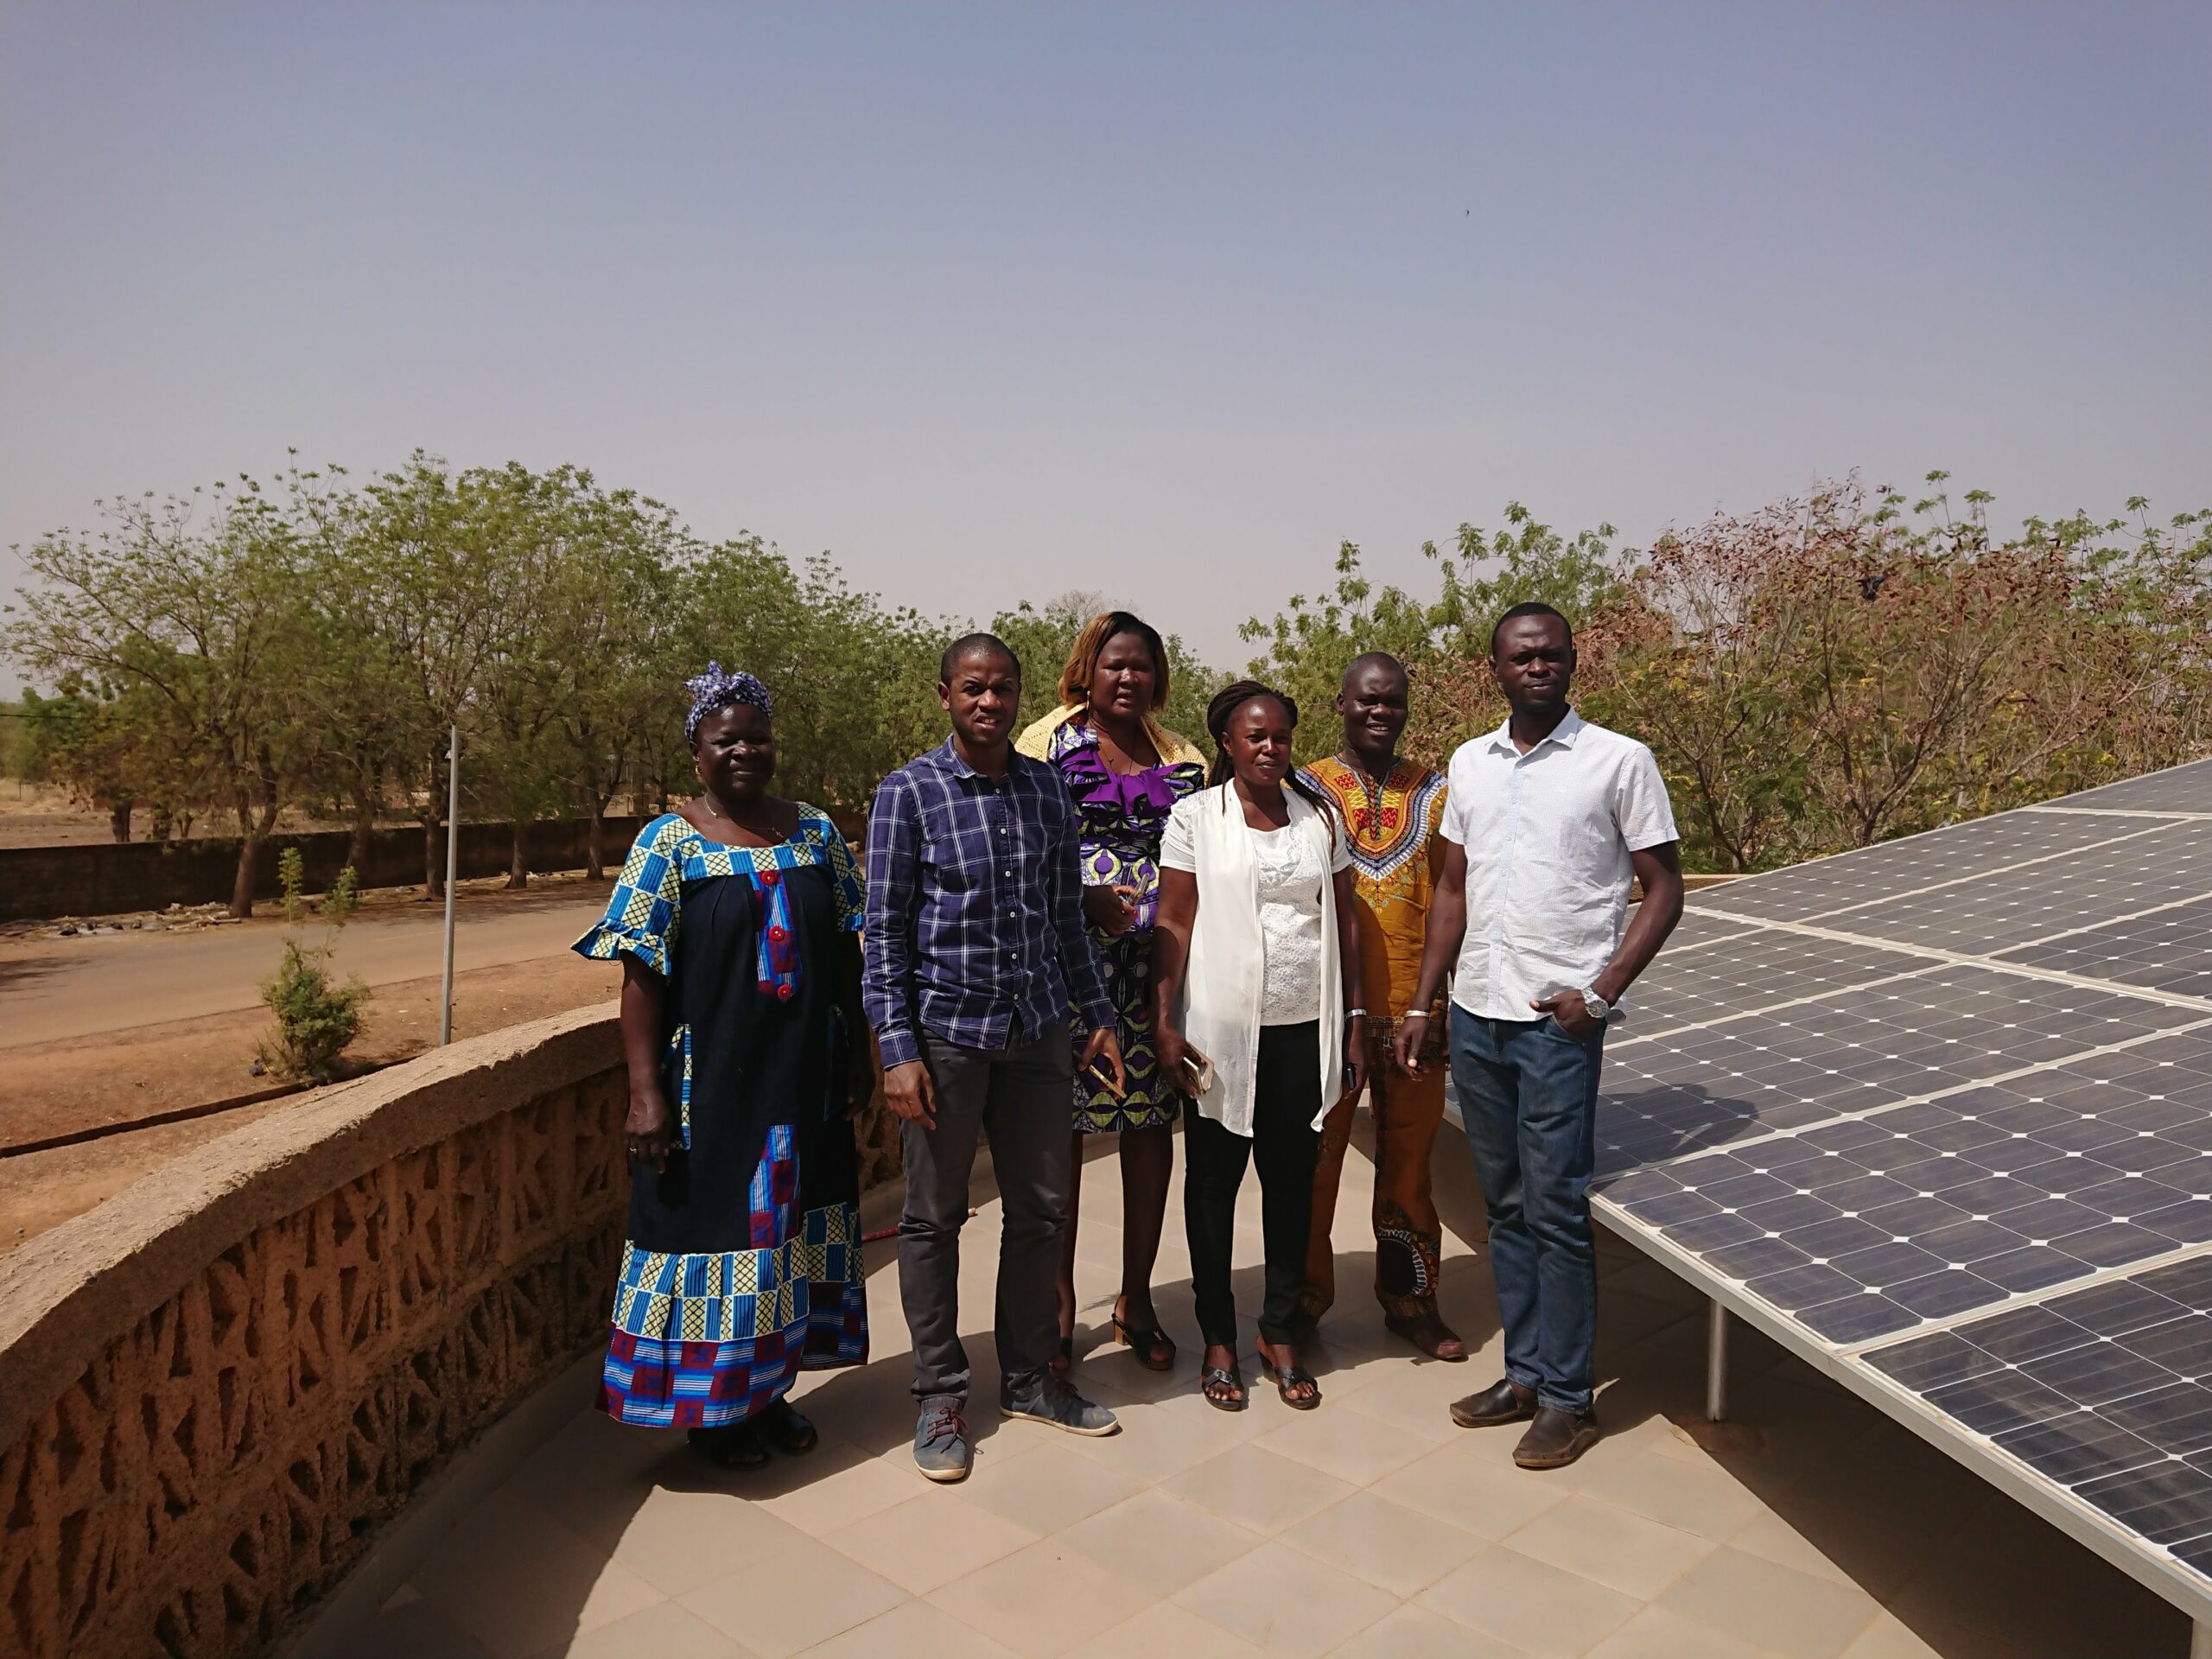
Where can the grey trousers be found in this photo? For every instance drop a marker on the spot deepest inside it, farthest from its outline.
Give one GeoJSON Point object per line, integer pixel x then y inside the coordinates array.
{"type": "Point", "coordinates": [1023, 1098]}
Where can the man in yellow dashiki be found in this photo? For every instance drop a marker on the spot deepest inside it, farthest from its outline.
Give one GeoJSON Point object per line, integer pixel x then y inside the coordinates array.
{"type": "Point", "coordinates": [1392, 807]}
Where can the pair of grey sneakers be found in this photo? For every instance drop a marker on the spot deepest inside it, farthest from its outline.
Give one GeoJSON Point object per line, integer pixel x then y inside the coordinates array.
{"type": "Point", "coordinates": [943, 1451]}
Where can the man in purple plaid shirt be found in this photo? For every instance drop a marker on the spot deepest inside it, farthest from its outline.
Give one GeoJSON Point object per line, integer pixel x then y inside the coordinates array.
{"type": "Point", "coordinates": [974, 951]}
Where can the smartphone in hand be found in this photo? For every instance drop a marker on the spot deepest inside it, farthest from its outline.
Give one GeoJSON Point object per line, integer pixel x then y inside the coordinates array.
{"type": "Point", "coordinates": [1200, 1068]}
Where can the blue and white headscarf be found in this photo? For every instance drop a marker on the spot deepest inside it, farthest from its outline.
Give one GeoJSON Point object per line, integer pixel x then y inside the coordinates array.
{"type": "Point", "coordinates": [716, 689]}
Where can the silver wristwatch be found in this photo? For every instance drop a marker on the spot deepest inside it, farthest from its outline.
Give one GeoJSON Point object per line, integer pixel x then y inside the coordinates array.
{"type": "Point", "coordinates": [1601, 1010]}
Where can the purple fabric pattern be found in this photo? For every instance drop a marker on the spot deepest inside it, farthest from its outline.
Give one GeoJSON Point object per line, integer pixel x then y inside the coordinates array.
{"type": "Point", "coordinates": [1119, 817]}
{"type": "Point", "coordinates": [1122, 816]}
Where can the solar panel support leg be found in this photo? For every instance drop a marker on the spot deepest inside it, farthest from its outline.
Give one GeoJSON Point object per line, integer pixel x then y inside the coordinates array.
{"type": "Point", "coordinates": [1716, 1378]}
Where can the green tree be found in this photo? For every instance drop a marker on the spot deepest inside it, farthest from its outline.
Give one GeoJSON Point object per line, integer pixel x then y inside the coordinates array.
{"type": "Point", "coordinates": [1444, 640]}
{"type": "Point", "coordinates": [412, 582]}
{"type": "Point", "coordinates": [195, 602]}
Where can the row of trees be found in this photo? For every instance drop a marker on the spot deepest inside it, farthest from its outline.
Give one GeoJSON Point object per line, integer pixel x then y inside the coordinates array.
{"type": "Point", "coordinates": [224, 657]}
{"type": "Point", "coordinates": [1826, 672]}
{"type": "Point", "coordinates": [1829, 671]}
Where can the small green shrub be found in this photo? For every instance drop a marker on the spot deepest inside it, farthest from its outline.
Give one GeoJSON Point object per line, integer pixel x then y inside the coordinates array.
{"type": "Point", "coordinates": [317, 1018]}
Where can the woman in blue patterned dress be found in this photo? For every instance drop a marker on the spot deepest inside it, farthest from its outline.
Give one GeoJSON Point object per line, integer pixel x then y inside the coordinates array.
{"type": "Point", "coordinates": [735, 921]}
{"type": "Point", "coordinates": [1125, 773]}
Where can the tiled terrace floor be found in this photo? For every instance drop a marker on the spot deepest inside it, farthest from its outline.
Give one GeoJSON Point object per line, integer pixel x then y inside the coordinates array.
{"type": "Point", "coordinates": [1809, 1525]}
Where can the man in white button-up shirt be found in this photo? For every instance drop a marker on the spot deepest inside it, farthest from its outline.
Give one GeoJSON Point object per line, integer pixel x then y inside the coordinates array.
{"type": "Point", "coordinates": [1547, 820]}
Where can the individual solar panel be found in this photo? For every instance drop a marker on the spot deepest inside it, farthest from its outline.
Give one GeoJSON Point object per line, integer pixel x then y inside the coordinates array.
{"type": "Point", "coordinates": [1699, 928]}
{"type": "Point", "coordinates": [2177, 789]}
{"type": "Point", "coordinates": [2169, 863]}
{"type": "Point", "coordinates": [1752, 973]}
{"type": "Point", "coordinates": [1865, 1227]}
{"type": "Point", "coordinates": [2105, 1391]}
{"type": "Point", "coordinates": [2168, 951]}
{"type": "Point", "coordinates": [1960, 852]}
{"type": "Point", "coordinates": [1852, 1052]}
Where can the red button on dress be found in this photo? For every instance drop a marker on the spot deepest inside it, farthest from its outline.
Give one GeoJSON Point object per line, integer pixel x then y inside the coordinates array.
{"type": "Point", "coordinates": [778, 934]}
{"type": "Point", "coordinates": [768, 878]}
{"type": "Point", "coordinates": [783, 993]}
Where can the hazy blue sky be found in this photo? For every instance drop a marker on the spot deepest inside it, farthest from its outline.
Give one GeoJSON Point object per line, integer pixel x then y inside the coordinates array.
{"type": "Point", "coordinates": [1163, 302]}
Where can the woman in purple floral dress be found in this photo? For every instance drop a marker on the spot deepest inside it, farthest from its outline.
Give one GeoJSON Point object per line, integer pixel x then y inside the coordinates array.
{"type": "Point", "coordinates": [1125, 773]}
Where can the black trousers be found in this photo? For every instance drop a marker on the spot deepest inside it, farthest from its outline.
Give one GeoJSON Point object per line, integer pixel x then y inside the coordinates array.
{"type": "Point", "coordinates": [1285, 1099]}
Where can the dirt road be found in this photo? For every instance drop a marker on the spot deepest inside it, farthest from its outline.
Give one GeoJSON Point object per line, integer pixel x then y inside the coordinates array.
{"type": "Point", "coordinates": [55, 989]}
{"type": "Point", "coordinates": [100, 1032]}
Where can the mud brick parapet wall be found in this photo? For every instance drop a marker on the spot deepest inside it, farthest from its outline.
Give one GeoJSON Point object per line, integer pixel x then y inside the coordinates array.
{"type": "Point", "coordinates": [109, 878]}
{"type": "Point", "coordinates": [216, 1384]}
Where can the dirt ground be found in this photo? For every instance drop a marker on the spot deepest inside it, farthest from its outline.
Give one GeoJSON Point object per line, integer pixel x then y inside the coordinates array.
{"type": "Point", "coordinates": [105, 1056]}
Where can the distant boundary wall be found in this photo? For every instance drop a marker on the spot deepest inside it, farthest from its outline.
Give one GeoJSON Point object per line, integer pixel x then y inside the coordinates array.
{"type": "Point", "coordinates": [109, 878]}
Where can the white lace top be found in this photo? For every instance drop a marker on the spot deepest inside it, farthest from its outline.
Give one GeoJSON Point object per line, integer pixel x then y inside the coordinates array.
{"type": "Point", "coordinates": [1291, 874]}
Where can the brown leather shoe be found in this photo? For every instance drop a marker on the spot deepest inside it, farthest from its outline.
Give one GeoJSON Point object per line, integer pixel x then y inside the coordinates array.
{"type": "Point", "coordinates": [1504, 1402]}
{"type": "Point", "coordinates": [1557, 1438]}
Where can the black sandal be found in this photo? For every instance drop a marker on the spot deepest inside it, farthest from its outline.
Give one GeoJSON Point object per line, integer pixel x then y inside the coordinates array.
{"type": "Point", "coordinates": [1224, 1376]}
{"type": "Point", "coordinates": [1155, 1347]}
{"type": "Point", "coordinates": [787, 1431]}
{"type": "Point", "coordinates": [1285, 1379]}
{"type": "Point", "coordinates": [733, 1445]}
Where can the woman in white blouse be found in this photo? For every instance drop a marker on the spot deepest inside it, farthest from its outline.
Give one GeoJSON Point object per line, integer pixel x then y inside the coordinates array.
{"type": "Point", "coordinates": [1254, 958]}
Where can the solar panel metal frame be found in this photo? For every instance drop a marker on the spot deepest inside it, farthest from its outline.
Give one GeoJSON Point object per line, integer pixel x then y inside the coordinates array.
{"type": "Point", "coordinates": [2179, 797]}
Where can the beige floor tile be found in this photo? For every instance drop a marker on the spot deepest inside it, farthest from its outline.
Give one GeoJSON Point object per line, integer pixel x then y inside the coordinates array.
{"type": "Point", "coordinates": [592, 1472]}
{"type": "Point", "coordinates": [1153, 1445]}
{"type": "Point", "coordinates": [912, 1629]}
{"type": "Point", "coordinates": [1770, 1605]}
{"type": "Point", "coordinates": [1530, 1604]}
{"type": "Point", "coordinates": [1700, 1498]}
{"type": "Point", "coordinates": [1655, 1633]}
{"type": "Point", "coordinates": [1043, 1600]}
{"type": "Point", "coordinates": [793, 1599]}
{"type": "Point", "coordinates": [1285, 1602]}
{"type": "Point", "coordinates": [519, 1582]}
{"type": "Point", "coordinates": [1391, 1547]}
{"type": "Point", "coordinates": [1624, 1552]}
{"type": "Point", "coordinates": [678, 1541]}
{"type": "Point", "coordinates": [930, 1540]}
{"type": "Point", "coordinates": [1767, 1536]}
{"type": "Point", "coordinates": [1980, 1605]}
{"type": "Point", "coordinates": [1050, 1488]}
{"type": "Point", "coordinates": [841, 1485]}
{"type": "Point", "coordinates": [415, 1628]}
{"type": "Point", "coordinates": [1157, 1540]}
{"type": "Point", "coordinates": [1890, 1637]}
{"type": "Point", "coordinates": [1163, 1631]}
{"type": "Point", "coordinates": [1259, 1489]}
{"type": "Point", "coordinates": [1187, 1404]}
{"type": "Point", "coordinates": [665, 1631]}
{"type": "Point", "coordinates": [1111, 1374]}
{"type": "Point", "coordinates": [1417, 1396]}
{"type": "Point", "coordinates": [1344, 1443]}
{"type": "Point", "coordinates": [1413, 1632]}
{"type": "Point", "coordinates": [1487, 1502]}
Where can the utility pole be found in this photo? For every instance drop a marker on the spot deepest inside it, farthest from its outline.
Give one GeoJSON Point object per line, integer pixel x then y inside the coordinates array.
{"type": "Point", "coordinates": [453, 869]}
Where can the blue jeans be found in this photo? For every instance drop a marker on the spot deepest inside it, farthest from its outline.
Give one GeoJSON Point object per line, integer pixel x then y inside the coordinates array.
{"type": "Point", "coordinates": [1529, 1093]}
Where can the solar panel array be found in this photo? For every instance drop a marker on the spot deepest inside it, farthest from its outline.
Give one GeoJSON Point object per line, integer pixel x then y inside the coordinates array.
{"type": "Point", "coordinates": [1940, 1111]}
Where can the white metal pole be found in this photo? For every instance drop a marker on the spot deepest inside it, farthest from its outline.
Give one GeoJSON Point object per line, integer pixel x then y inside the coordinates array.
{"type": "Point", "coordinates": [453, 869]}
{"type": "Point", "coordinates": [1716, 1364]}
